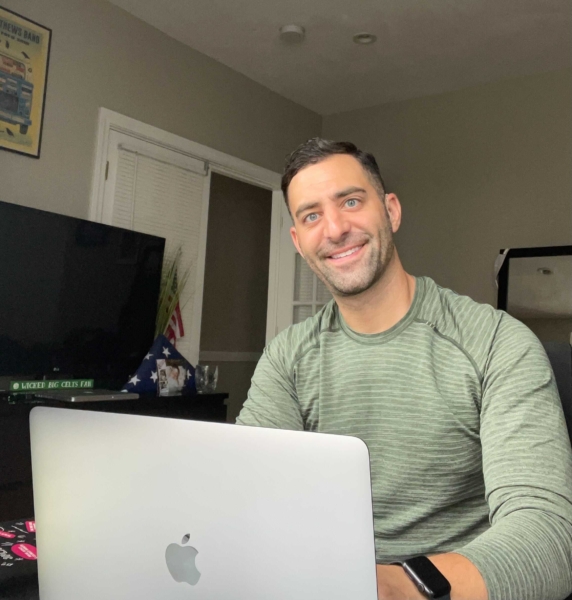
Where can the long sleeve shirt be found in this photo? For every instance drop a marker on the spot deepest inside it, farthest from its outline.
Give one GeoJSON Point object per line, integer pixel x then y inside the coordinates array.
{"type": "Point", "coordinates": [468, 444]}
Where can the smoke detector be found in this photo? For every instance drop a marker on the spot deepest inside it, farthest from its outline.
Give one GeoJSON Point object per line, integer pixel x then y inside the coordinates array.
{"type": "Point", "coordinates": [364, 38]}
{"type": "Point", "coordinates": [292, 34]}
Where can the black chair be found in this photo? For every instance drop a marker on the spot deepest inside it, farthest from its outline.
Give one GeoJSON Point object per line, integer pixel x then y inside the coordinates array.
{"type": "Point", "coordinates": [560, 356]}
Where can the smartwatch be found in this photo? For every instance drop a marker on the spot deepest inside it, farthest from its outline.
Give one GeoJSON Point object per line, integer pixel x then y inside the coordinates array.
{"type": "Point", "coordinates": [426, 577]}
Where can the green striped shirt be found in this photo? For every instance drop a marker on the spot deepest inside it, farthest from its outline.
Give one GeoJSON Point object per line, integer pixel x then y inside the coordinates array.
{"type": "Point", "coordinates": [468, 444]}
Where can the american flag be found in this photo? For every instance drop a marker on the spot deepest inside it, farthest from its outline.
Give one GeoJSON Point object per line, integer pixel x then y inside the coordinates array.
{"type": "Point", "coordinates": [175, 328]}
{"type": "Point", "coordinates": [145, 378]}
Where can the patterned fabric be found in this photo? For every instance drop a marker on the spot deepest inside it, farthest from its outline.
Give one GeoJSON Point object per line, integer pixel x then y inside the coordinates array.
{"type": "Point", "coordinates": [18, 556]}
{"type": "Point", "coordinates": [468, 445]}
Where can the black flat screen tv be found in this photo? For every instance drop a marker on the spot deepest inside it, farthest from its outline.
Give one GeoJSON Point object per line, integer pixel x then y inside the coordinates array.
{"type": "Point", "coordinates": [77, 299]}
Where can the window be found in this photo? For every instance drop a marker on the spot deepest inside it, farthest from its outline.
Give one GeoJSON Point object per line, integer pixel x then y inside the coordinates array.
{"type": "Point", "coordinates": [310, 294]}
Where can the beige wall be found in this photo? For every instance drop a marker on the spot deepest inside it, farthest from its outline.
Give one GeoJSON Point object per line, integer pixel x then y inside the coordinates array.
{"type": "Point", "coordinates": [103, 56]}
{"type": "Point", "coordinates": [476, 170]}
{"type": "Point", "coordinates": [551, 330]}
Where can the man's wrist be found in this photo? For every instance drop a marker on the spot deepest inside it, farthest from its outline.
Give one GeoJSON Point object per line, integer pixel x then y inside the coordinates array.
{"type": "Point", "coordinates": [393, 584]}
{"type": "Point", "coordinates": [427, 578]}
{"type": "Point", "coordinates": [466, 581]}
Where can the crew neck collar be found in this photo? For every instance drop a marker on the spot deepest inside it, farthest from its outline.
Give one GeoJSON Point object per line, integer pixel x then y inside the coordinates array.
{"type": "Point", "coordinates": [392, 332]}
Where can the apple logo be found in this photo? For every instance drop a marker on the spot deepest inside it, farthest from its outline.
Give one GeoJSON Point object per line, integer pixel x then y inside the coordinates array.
{"type": "Point", "coordinates": [181, 562]}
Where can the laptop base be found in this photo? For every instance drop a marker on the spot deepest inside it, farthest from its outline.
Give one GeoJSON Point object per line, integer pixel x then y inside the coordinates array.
{"type": "Point", "coordinates": [86, 395]}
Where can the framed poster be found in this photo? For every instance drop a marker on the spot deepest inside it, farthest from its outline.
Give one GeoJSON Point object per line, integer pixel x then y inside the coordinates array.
{"type": "Point", "coordinates": [24, 59]}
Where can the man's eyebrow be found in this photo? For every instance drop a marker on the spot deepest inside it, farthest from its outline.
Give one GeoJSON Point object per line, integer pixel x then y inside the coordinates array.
{"type": "Point", "coordinates": [306, 206]}
{"type": "Point", "coordinates": [341, 194]}
{"type": "Point", "coordinates": [351, 190]}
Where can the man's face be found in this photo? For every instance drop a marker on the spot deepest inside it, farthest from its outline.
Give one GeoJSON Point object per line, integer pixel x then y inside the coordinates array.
{"type": "Point", "coordinates": [341, 225]}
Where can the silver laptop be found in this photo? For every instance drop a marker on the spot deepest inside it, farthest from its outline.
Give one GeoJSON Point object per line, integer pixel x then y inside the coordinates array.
{"type": "Point", "coordinates": [164, 509]}
{"type": "Point", "coordinates": [85, 395]}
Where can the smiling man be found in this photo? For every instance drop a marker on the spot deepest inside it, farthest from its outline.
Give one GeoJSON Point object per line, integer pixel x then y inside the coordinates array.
{"type": "Point", "coordinates": [470, 458]}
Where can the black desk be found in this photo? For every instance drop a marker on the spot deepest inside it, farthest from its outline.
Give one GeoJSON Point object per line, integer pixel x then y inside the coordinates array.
{"type": "Point", "coordinates": [15, 461]}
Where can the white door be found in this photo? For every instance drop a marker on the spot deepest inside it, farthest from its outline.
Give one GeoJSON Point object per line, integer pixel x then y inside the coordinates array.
{"type": "Point", "coordinates": [159, 191]}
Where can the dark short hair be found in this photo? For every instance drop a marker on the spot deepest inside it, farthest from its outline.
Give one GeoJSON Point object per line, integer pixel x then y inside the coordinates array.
{"type": "Point", "coordinates": [317, 149]}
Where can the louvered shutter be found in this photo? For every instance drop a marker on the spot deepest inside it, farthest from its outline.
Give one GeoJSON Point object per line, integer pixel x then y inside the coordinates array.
{"type": "Point", "coordinates": [163, 198]}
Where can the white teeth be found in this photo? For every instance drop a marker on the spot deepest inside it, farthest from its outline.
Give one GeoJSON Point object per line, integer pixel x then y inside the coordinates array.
{"type": "Point", "coordinates": [351, 251]}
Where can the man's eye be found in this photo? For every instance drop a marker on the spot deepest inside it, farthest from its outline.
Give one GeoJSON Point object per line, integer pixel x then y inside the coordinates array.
{"type": "Point", "coordinates": [351, 202]}
{"type": "Point", "coordinates": [311, 217]}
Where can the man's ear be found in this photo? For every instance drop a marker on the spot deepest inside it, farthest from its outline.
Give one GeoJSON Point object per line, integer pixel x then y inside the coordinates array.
{"type": "Point", "coordinates": [294, 237]}
{"type": "Point", "coordinates": [393, 207]}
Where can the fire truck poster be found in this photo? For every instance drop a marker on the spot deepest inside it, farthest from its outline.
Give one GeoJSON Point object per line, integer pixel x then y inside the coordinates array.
{"type": "Point", "coordinates": [24, 59]}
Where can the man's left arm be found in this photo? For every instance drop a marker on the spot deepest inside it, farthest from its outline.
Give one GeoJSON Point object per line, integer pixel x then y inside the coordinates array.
{"type": "Point", "coordinates": [527, 463]}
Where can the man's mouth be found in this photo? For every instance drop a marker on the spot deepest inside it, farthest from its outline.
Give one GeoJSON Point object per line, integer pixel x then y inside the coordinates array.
{"type": "Point", "coordinates": [345, 253]}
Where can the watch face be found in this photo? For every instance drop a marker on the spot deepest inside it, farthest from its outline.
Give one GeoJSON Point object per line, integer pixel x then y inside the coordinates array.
{"type": "Point", "coordinates": [422, 570]}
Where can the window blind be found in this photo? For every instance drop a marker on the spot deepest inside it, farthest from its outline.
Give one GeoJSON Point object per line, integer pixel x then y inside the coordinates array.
{"type": "Point", "coordinates": [159, 198]}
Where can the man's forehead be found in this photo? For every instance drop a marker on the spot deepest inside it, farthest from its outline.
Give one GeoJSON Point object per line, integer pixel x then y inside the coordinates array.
{"type": "Point", "coordinates": [331, 174]}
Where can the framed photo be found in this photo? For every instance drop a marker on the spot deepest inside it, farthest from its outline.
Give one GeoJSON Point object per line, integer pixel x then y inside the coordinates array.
{"type": "Point", "coordinates": [24, 60]}
{"type": "Point", "coordinates": [172, 376]}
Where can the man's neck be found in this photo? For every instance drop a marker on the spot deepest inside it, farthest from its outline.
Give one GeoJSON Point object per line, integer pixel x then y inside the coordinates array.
{"type": "Point", "coordinates": [383, 305]}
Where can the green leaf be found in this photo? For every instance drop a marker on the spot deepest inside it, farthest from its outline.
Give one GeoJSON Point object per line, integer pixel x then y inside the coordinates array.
{"type": "Point", "coordinates": [172, 286]}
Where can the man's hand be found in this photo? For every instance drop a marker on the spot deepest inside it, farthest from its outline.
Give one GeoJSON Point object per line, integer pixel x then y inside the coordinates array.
{"type": "Point", "coordinates": [465, 579]}
{"type": "Point", "coordinates": [393, 584]}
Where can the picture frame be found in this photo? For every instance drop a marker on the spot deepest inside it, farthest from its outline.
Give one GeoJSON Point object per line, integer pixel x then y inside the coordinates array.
{"type": "Point", "coordinates": [24, 63]}
{"type": "Point", "coordinates": [172, 376]}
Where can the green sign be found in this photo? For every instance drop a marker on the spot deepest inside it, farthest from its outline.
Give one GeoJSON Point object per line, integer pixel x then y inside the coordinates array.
{"type": "Point", "coordinates": [60, 384]}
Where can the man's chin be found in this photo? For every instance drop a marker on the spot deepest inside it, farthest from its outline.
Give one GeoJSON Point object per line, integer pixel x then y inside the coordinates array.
{"type": "Point", "coordinates": [350, 292]}
{"type": "Point", "coordinates": [347, 289]}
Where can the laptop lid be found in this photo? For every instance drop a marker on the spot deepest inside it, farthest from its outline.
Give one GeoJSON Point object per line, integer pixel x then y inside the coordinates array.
{"type": "Point", "coordinates": [125, 505]}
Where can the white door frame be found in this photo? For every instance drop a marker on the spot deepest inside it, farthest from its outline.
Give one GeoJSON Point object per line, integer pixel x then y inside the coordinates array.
{"type": "Point", "coordinates": [218, 162]}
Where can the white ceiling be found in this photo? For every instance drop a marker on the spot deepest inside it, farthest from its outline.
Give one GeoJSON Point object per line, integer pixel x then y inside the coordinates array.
{"type": "Point", "coordinates": [532, 294]}
{"type": "Point", "coordinates": [424, 46]}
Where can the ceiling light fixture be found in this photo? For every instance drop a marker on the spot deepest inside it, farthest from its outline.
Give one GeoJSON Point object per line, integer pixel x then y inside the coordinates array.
{"type": "Point", "coordinates": [364, 38]}
{"type": "Point", "coordinates": [292, 34]}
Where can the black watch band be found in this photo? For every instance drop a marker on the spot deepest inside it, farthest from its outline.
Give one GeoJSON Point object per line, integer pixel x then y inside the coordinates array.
{"type": "Point", "coordinates": [426, 577]}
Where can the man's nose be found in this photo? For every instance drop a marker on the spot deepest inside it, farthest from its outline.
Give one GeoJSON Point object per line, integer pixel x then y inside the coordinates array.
{"type": "Point", "coordinates": [336, 225]}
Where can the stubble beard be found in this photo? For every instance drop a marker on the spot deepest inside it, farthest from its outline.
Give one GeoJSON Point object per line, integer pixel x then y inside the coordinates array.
{"type": "Point", "coordinates": [380, 249]}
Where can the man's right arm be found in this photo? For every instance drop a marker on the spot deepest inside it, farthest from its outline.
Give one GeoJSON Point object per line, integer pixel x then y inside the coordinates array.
{"type": "Point", "coordinates": [272, 400]}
